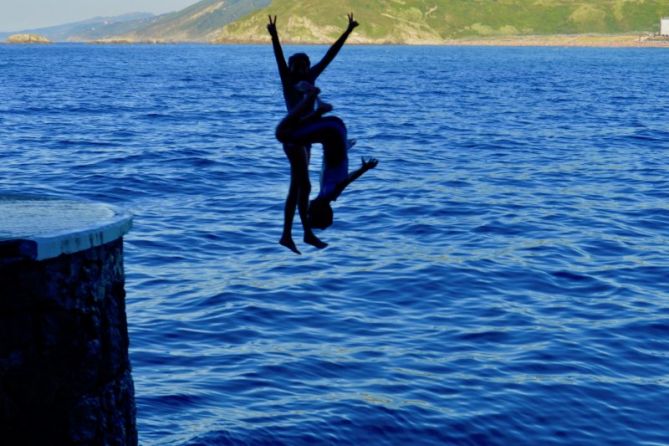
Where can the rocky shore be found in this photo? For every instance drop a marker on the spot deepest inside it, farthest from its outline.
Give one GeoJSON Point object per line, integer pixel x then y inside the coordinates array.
{"type": "Point", "coordinates": [576, 40]}
{"type": "Point", "coordinates": [562, 40]}
{"type": "Point", "coordinates": [27, 38]}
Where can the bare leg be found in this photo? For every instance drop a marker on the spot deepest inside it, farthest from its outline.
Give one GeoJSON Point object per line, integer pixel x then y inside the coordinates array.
{"type": "Point", "coordinates": [297, 157]}
{"type": "Point", "coordinates": [322, 107]}
{"type": "Point", "coordinates": [288, 214]}
{"type": "Point", "coordinates": [298, 196]}
{"type": "Point", "coordinates": [303, 208]}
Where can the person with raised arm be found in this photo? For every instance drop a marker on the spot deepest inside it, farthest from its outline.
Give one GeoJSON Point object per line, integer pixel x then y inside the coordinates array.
{"type": "Point", "coordinates": [298, 70]}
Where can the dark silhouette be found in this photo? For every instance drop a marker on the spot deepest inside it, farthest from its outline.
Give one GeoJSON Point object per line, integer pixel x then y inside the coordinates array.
{"type": "Point", "coordinates": [334, 179]}
{"type": "Point", "coordinates": [298, 70]}
{"type": "Point", "coordinates": [302, 126]}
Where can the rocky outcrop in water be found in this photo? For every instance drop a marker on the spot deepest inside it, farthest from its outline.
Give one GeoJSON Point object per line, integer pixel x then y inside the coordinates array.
{"type": "Point", "coordinates": [27, 38]}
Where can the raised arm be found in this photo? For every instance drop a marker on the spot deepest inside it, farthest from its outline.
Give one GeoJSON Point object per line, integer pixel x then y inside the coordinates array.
{"type": "Point", "coordinates": [367, 164]}
{"type": "Point", "coordinates": [278, 51]}
{"type": "Point", "coordinates": [317, 69]}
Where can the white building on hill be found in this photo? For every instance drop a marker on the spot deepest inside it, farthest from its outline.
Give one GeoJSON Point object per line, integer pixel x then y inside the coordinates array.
{"type": "Point", "coordinates": [664, 26]}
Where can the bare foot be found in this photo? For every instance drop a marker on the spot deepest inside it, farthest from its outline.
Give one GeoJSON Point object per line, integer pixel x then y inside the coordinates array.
{"type": "Point", "coordinates": [314, 241]}
{"type": "Point", "coordinates": [323, 107]}
{"type": "Point", "coordinates": [290, 244]}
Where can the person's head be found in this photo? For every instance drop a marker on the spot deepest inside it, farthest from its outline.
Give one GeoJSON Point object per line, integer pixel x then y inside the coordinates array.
{"type": "Point", "coordinates": [320, 214]}
{"type": "Point", "coordinates": [299, 64]}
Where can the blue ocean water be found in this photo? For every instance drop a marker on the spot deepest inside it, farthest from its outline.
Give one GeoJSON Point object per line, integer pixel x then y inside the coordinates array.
{"type": "Point", "coordinates": [502, 277]}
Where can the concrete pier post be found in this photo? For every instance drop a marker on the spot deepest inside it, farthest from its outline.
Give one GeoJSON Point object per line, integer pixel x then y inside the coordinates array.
{"type": "Point", "coordinates": [64, 368]}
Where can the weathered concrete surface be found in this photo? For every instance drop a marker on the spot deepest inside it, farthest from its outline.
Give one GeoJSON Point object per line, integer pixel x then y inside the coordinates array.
{"type": "Point", "coordinates": [41, 228]}
{"type": "Point", "coordinates": [64, 368]}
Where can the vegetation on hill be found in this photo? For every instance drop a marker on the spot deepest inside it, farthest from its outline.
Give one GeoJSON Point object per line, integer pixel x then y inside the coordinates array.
{"type": "Point", "coordinates": [381, 21]}
{"type": "Point", "coordinates": [198, 22]}
{"type": "Point", "coordinates": [432, 21]}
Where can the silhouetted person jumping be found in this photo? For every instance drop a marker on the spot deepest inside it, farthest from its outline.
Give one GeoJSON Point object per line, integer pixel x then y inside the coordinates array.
{"type": "Point", "coordinates": [298, 69]}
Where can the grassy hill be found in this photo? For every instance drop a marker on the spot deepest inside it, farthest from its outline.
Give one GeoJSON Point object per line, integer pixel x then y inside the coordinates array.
{"type": "Point", "coordinates": [198, 22]}
{"type": "Point", "coordinates": [432, 21]}
{"type": "Point", "coordinates": [381, 21]}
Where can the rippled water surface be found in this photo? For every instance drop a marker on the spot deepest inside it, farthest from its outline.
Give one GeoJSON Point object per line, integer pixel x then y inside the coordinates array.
{"type": "Point", "coordinates": [501, 278]}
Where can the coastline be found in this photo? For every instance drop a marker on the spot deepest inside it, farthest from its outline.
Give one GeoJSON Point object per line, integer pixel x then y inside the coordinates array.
{"type": "Point", "coordinates": [630, 40]}
{"type": "Point", "coordinates": [567, 40]}
{"type": "Point", "coordinates": [561, 40]}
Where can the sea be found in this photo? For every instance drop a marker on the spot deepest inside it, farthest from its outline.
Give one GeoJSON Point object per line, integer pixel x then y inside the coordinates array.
{"type": "Point", "coordinates": [500, 278]}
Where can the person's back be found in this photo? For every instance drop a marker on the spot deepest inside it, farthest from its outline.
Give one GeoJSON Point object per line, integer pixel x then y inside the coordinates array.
{"type": "Point", "coordinates": [299, 72]}
{"type": "Point", "coordinates": [298, 68]}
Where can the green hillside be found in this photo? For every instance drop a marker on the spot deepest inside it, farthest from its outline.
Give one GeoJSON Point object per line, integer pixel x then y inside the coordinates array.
{"type": "Point", "coordinates": [381, 21]}
{"type": "Point", "coordinates": [197, 22]}
{"type": "Point", "coordinates": [432, 21]}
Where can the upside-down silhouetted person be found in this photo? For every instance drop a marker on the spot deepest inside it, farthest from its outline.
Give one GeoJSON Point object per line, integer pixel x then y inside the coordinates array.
{"type": "Point", "coordinates": [304, 125]}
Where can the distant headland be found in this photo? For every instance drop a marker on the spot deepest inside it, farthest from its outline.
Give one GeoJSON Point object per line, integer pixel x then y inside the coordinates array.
{"type": "Point", "coordinates": [27, 38]}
